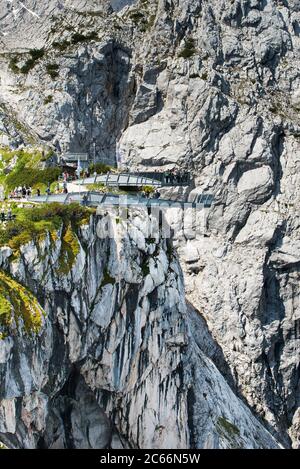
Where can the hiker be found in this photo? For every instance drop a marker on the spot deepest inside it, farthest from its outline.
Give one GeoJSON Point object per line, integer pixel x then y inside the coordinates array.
{"type": "Point", "coordinates": [9, 214]}
{"type": "Point", "coordinates": [24, 191]}
{"type": "Point", "coordinates": [38, 191]}
{"type": "Point", "coordinates": [168, 176]}
{"type": "Point", "coordinates": [156, 194]}
{"type": "Point", "coordinates": [178, 176]}
{"type": "Point", "coordinates": [85, 200]}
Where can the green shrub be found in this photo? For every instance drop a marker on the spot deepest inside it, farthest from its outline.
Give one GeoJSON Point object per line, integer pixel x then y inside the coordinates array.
{"type": "Point", "coordinates": [229, 428]}
{"type": "Point", "coordinates": [30, 176]}
{"type": "Point", "coordinates": [26, 171]}
{"type": "Point", "coordinates": [79, 37]}
{"type": "Point", "coordinates": [136, 16]}
{"type": "Point", "coordinates": [151, 21]}
{"type": "Point", "coordinates": [35, 55]}
{"type": "Point", "coordinates": [13, 65]}
{"type": "Point", "coordinates": [145, 268]}
{"type": "Point", "coordinates": [100, 168]}
{"type": "Point", "coordinates": [52, 70]}
{"type": "Point", "coordinates": [148, 190]}
{"type": "Point", "coordinates": [63, 45]}
{"type": "Point", "coordinates": [34, 223]}
{"type": "Point", "coordinates": [48, 99]}
{"type": "Point", "coordinates": [18, 304]}
{"type": "Point", "coordinates": [189, 49]}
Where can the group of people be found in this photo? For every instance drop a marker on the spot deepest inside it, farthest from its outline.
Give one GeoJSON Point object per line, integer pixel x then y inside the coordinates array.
{"type": "Point", "coordinates": [151, 195]}
{"type": "Point", "coordinates": [20, 192]}
{"type": "Point", "coordinates": [176, 176]}
{"type": "Point", "coordinates": [61, 190]}
{"type": "Point", "coordinates": [6, 215]}
{"type": "Point", "coordinates": [67, 177]}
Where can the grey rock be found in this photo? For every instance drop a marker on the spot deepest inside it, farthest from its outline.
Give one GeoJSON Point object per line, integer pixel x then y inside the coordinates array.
{"type": "Point", "coordinates": [135, 378]}
{"type": "Point", "coordinates": [229, 113]}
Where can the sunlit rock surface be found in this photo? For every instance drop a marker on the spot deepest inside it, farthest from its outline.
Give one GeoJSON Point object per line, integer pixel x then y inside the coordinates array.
{"type": "Point", "coordinates": [119, 360]}
{"type": "Point", "coordinates": [212, 87]}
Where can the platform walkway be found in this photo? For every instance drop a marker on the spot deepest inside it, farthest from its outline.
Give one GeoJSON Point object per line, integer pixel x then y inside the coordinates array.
{"type": "Point", "coordinates": [94, 199]}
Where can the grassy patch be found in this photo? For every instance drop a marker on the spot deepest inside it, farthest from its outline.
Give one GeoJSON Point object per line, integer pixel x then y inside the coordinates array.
{"type": "Point", "coordinates": [18, 306]}
{"type": "Point", "coordinates": [100, 168]}
{"type": "Point", "coordinates": [26, 169]}
{"type": "Point", "coordinates": [228, 428]}
{"type": "Point", "coordinates": [31, 176]}
{"type": "Point", "coordinates": [32, 224]}
{"type": "Point", "coordinates": [98, 187]}
{"type": "Point", "coordinates": [69, 250]}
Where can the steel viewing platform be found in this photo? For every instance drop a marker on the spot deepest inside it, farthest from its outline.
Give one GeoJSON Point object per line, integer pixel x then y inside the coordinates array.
{"type": "Point", "coordinates": [136, 180]}
{"type": "Point", "coordinates": [94, 199]}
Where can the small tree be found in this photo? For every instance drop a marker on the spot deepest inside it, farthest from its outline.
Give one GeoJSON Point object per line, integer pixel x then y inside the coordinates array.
{"type": "Point", "coordinates": [148, 190]}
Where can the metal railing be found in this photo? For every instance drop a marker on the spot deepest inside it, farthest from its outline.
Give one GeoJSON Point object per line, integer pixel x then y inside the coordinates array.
{"type": "Point", "coordinates": [95, 199]}
{"type": "Point", "coordinates": [134, 180]}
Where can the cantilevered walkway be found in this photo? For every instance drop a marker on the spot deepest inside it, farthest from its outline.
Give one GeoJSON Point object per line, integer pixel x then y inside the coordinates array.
{"type": "Point", "coordinates": [94, 199]}
{"type": "Point", "coordinates": [137, 180]}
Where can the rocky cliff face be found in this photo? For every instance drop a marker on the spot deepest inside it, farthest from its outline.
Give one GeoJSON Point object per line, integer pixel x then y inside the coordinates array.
{"type": "Point", "coordinates": [115, 360]}
{"type": "Point", "coordinates": [210, 86]}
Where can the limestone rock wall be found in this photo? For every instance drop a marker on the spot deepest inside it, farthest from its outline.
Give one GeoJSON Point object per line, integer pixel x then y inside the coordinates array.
{"type": "Point", "coordinates": [213, 87]}
{"type": "Point", "coordinates": [116, 361]}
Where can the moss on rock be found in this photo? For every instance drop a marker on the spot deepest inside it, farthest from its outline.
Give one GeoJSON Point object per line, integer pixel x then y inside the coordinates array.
{"type": "Point", "coordinates": [18, 307]}
{"type": "Point", "coordinates": [228, 429]}
{"type": "Point", "coordinates": [32, 224]}
{"type": "Point", "coordinates": [70, 249]}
